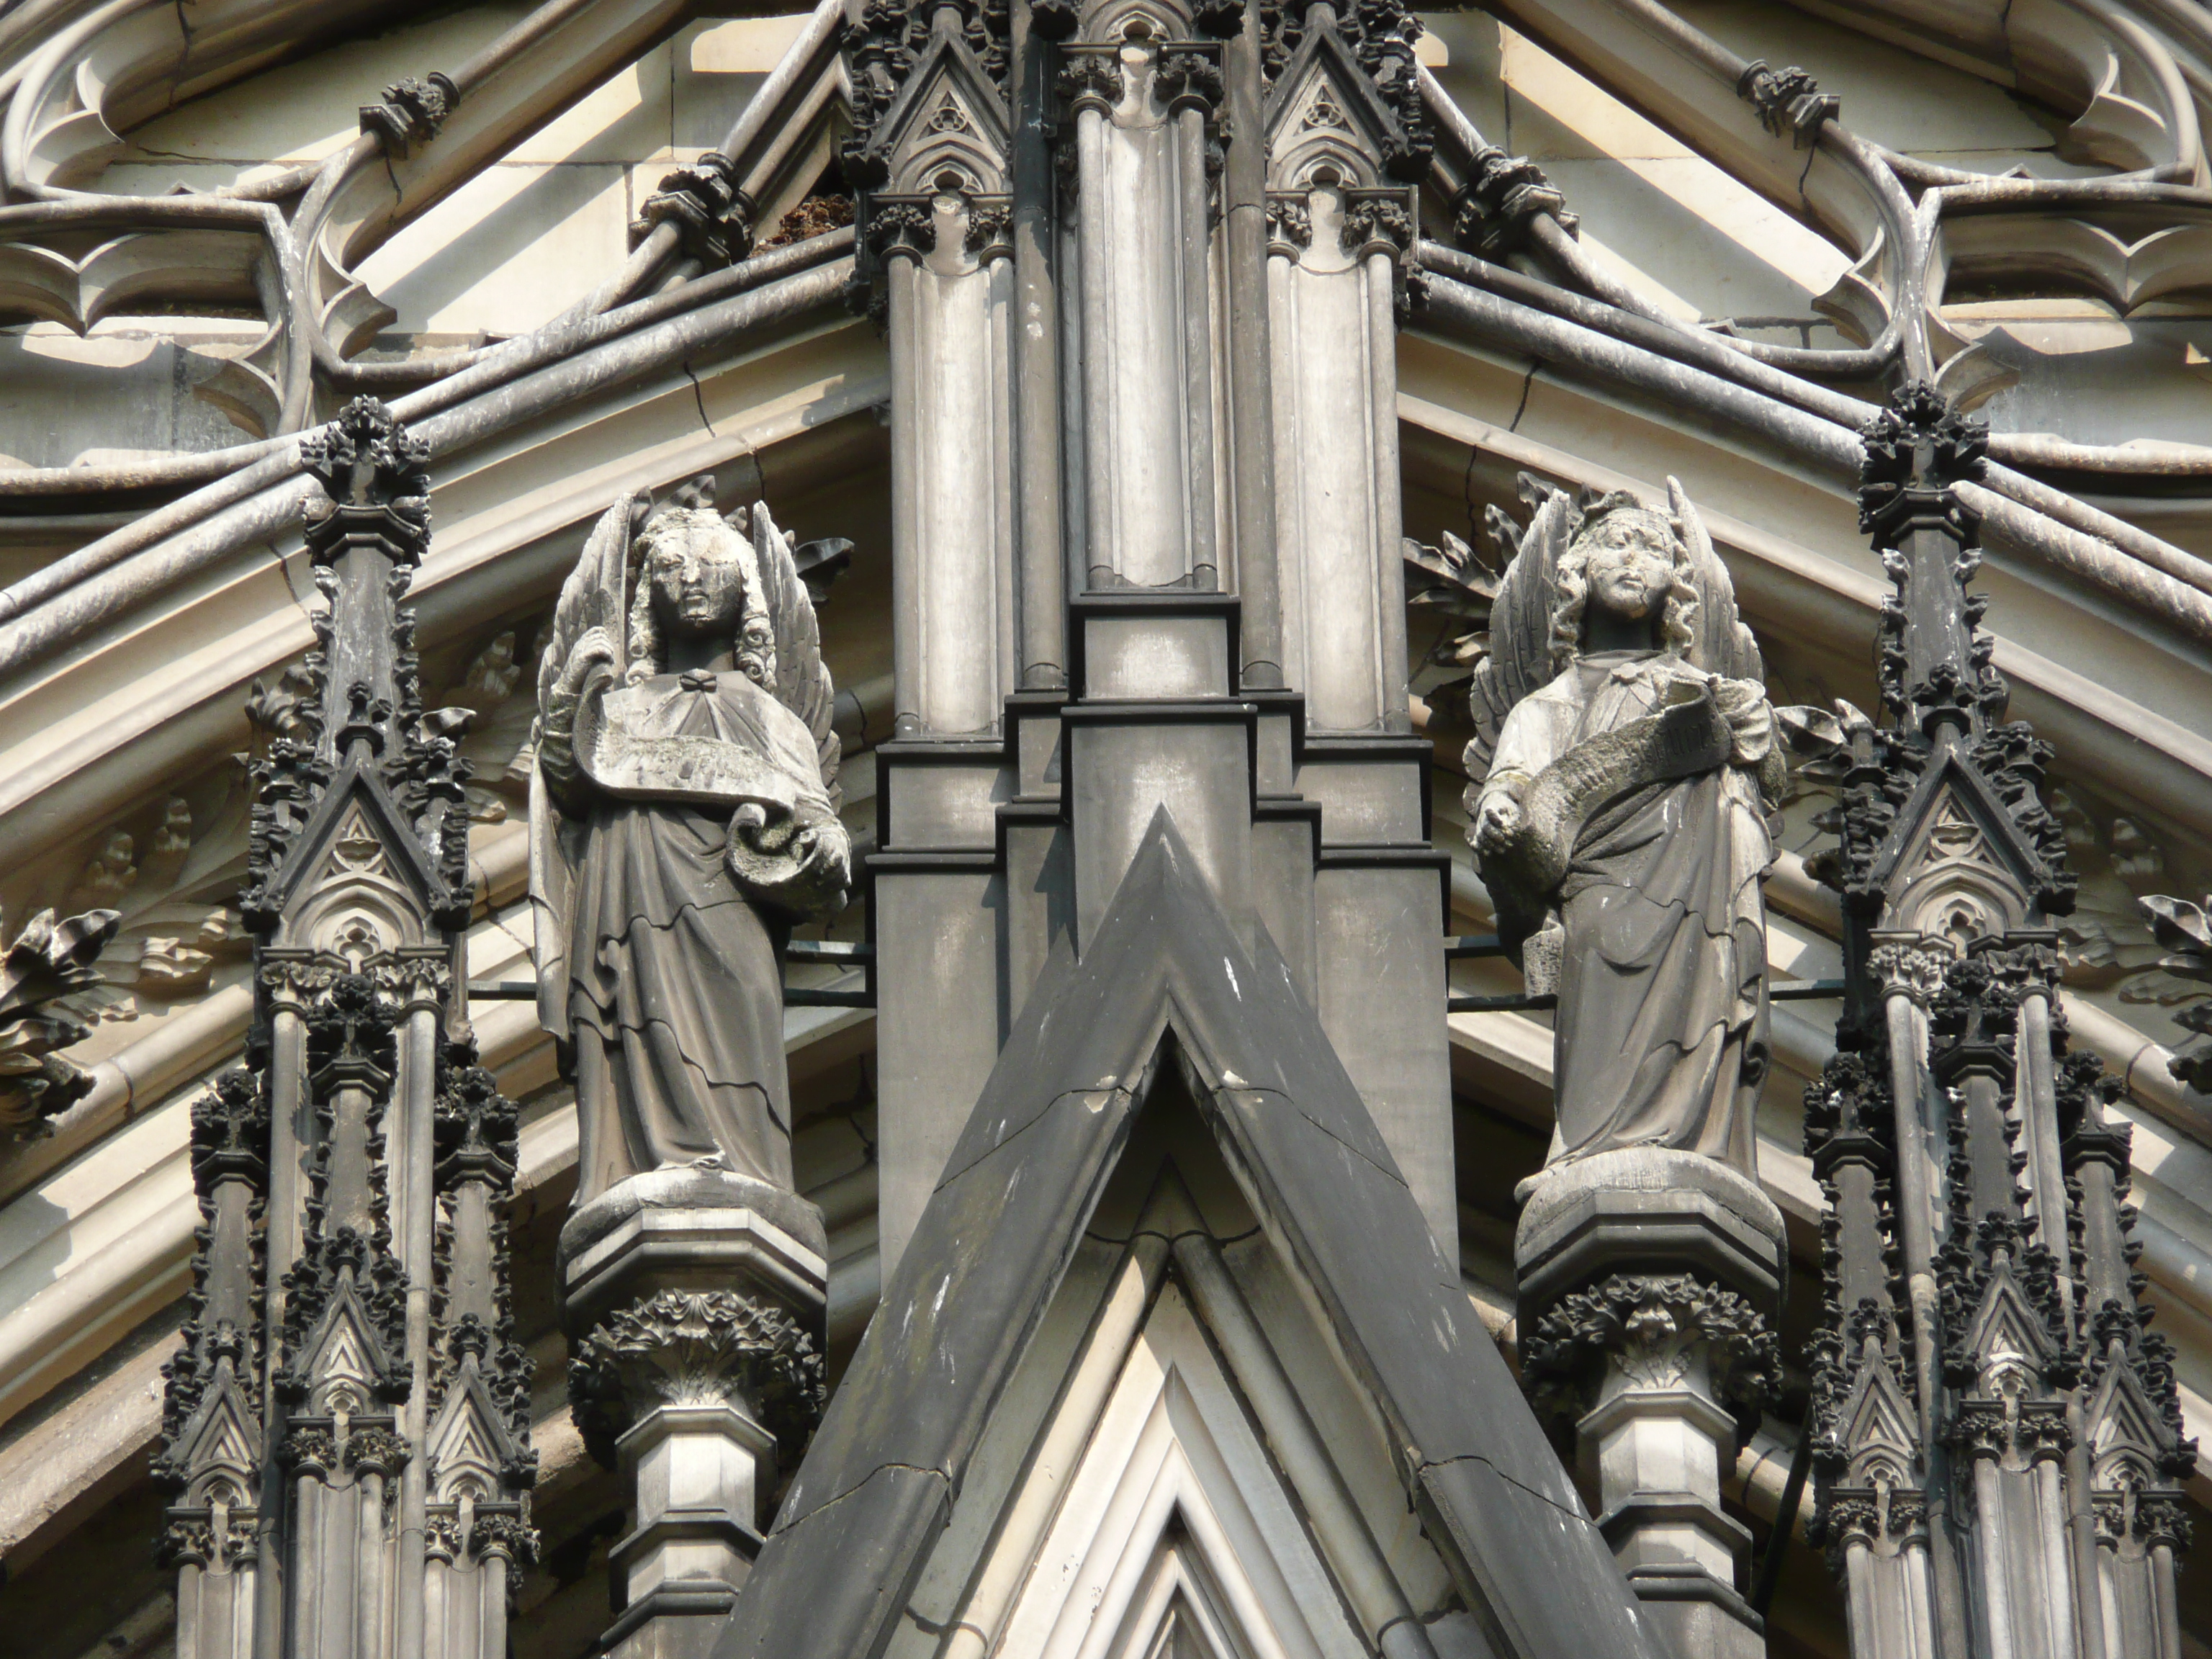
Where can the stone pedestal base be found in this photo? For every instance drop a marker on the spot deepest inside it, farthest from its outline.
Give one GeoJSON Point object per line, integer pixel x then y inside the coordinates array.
{"type": "Point", "coordinates": [1649, 1283]}
{"type": "Point", "coordinates": [693, 1302]}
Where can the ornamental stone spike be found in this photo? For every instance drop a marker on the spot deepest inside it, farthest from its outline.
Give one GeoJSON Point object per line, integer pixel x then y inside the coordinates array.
{"type": "Point", "coordinates": [1996, 1436]}
{"type": "Point", "coordinates": [346, 1430]}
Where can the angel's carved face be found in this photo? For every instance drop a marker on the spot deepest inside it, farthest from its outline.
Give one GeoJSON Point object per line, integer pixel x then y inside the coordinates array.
{"type": "Point", "coordinates": [695, 564]}
{"type": "Point", "coordinates": [1632, 563]}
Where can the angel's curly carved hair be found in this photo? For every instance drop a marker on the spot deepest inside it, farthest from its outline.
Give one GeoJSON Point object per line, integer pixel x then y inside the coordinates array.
{"type": "Point", "coordinates": [1677, 615]}
{"type": "Point", "coordinates": [755, 644]}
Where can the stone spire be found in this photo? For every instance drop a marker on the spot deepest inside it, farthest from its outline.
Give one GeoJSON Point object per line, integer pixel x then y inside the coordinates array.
{"type": "Point", "coordinates": [1997, 1440]}
{"type": "Point", "coordinates": [347, 1426]}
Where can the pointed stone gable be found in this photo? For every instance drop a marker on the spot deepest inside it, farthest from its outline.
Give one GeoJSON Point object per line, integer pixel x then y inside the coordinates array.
{"type": "Point", "coordinates": [1007, 1219]}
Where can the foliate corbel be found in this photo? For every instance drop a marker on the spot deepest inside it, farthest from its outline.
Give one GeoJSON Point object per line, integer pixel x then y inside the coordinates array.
{"type": "Point", "coordinates": [709, 208]}
{"type": "Point", "coordinates": [411, 113]}
{"type": "Point", "coordinates": [1790, 101]}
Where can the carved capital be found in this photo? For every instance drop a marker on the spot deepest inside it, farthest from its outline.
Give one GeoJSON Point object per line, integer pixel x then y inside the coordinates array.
{"type": "Point", "coordinates": [900, 228]}
{"type": "Point", "coordinates": [1189, 78]}
{"type": "Point", "coordinates": [694, 1348]}
{"type": "Point", "coordinates": [1914, 972]}
{"type": "Point", "coordinates": [1377, 223]}
{"type": "Point", "coordinates": [990, 233]}
{"type": "Point", "coordinates": [1090, 81]}
{"type": "Point", "coordinates": [1290, 224]}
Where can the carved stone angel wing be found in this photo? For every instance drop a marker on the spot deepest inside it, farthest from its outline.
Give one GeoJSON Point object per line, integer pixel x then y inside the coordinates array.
{"type": "Point", "coordinates": [1724, 646]}
{"type": "Point", "coordinates": [596, 595]}
{"type": "Point", "coordinates": [802, 680]}
{"type": "Point", "coordinates": [1519, 659]}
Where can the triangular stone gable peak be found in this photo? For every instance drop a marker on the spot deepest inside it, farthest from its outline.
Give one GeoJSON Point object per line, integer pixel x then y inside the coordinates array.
{"type": "Point", "coordinates": [343, 1361]}
{"type": "Point", "coordinates": [469, 1445]}
{"type": "Point", "coordinates": [1325, 118]}
{"type": "Point", "coordinates": [1959, 868]}
{"type": "Point", "coordinates": [1009, 1217]}
{"type": "Point", "coordinates": [1880, 1429]}
{"type": "Point", "coordinates": [221, 1447]}
{"type": "Point", "coordinates": [2124, 1431]}
{"type": "Point", "coordinates": [946, 118]}
{"type": "Point", "coordinates": [2006, 1332]}
{"type": "Point", "coordinates": [357, 854]}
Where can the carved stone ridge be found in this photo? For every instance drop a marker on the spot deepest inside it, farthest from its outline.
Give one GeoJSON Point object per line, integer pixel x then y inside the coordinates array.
{"type": "Point", "coordinates": [690, 1348]}
{"type": "Point", "coordinates": [411, 113]}
{"type": "Point", "coordinates": [711, 213]}
{"type": "Point", "coordinates": [1790, 101]}
{"type": "Point", "coordinates": [1491, 213]}
{"type": "Point", "coordinates": [2184, 930]}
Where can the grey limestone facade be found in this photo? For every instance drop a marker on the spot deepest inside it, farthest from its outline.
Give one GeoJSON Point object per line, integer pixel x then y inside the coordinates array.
{"type": "Point", "coordinates": [1104, 830]}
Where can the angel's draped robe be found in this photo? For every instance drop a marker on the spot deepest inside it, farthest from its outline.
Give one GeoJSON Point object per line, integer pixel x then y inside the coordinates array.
{"type": "Point", "coordinates": [1661, 1017]}
{"type": "Point", "coordinates": [675, 998]}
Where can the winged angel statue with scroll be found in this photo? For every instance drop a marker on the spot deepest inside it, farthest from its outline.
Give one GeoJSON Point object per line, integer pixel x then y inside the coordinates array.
{"type": "Point", "coordinates": [683, 814]}
{"type": "Point", "coordinates": [1623, 766]}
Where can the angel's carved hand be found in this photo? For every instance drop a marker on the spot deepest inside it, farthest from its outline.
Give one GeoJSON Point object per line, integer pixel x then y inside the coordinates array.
{"type": "Point", "coordinates": [1750, 718]}
{"type": "Point", "coordinates": [595, 647]}
{"type": "Point", "coordinates": [1495, 820]}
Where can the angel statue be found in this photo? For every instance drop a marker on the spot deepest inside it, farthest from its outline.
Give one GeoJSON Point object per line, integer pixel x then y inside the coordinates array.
{"type": "Point", "coordinates": [1623, 767]}
{"type": "Point", "coordinates": [684, 815]}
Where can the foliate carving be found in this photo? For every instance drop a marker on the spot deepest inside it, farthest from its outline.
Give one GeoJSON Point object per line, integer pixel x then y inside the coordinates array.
{"type": "Point", "coordinates": [411, 113]}
{"type": "Point", "coordinates": [48, 976]}
{"type": "Point", "coordinates": [709, 208]}
{"type": "Point", "coordinates": [990, 233]}
{"type": "Point", "coordinates": [1646, 1326]}
{"type": "Point", "coordinates": [1190, 75]}
{"type": "Point", "coordinates": [1377, 223]}
{"type": "Point", "coordinates": [207, 1539]}
{"type": "Point", "coordinates": [1789, 101]}
{"type": "Point", "coordinates": [2032, 1430]}
{"type": "Point", "coordinates": [366, 460]}
{"type": "Point", "coordinates": [1290, 224]}
{"type": "Point", "coordinates": [907, 228]}
{"type": "Point", "coordinates": [1492, 214]}
{"type": "Point", "coordinates": [2185, 931]}
{"type": "Point", "coordinates": [1913, 971]}
{"type": "Point", "coordinates": [1092, 79]}
{"type": "Point", "coordinates": [695, 1347]}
